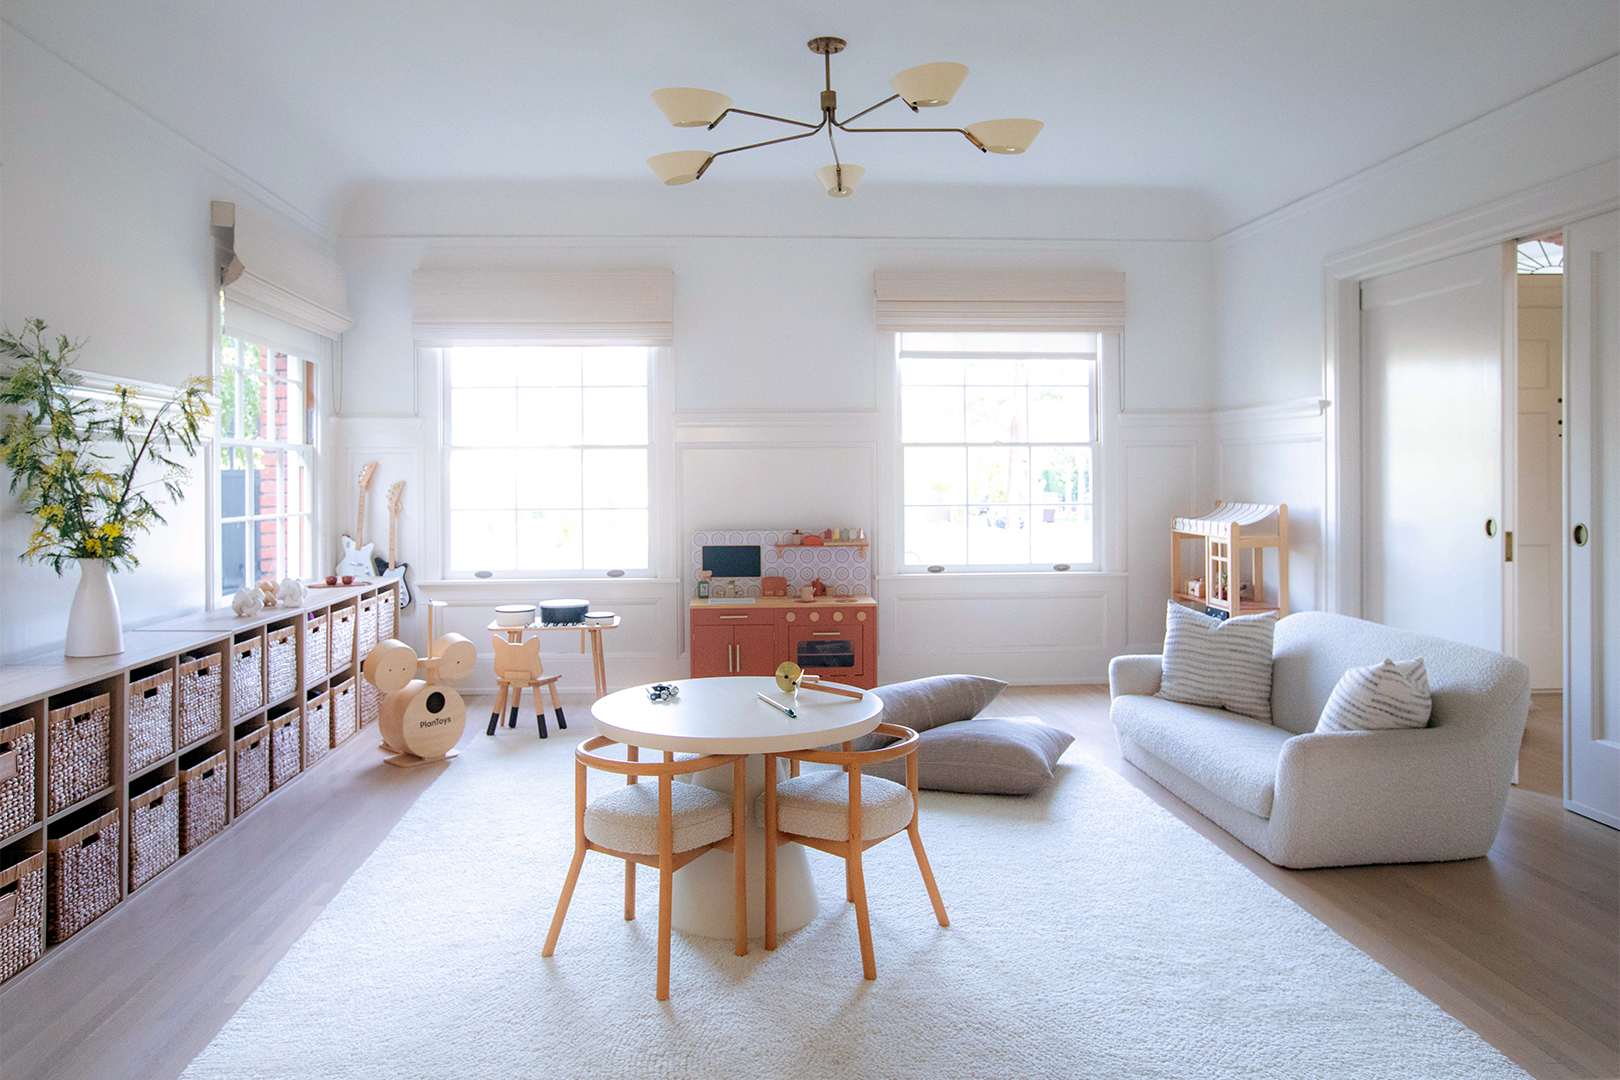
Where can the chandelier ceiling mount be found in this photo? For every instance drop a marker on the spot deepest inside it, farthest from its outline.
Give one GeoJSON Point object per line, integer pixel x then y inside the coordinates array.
{"type": "Point", "coordinates": [918, 88]}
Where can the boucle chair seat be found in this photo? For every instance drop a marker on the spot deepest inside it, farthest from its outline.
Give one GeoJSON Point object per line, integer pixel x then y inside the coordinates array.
{"type": "Point", "coordinates": [627, 819]}
{"type": "Point", "coordinates": [817, 804]}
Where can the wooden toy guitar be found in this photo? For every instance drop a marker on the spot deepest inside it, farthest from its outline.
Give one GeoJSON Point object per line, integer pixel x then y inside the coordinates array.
{"type": "Point", "coordinates": [391, 569]}
{"type": "Point", "coordinates": [356, 559]}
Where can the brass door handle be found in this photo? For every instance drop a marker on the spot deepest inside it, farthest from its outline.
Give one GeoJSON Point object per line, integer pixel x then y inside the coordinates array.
{"type": "Point", "coordinates": [825, 633]}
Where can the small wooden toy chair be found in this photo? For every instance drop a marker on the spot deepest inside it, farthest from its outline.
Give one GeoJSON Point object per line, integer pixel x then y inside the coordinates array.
{"type": "Point", "coordinates": [518, 668]}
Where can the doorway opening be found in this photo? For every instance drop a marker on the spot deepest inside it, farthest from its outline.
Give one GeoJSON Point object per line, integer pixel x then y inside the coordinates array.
{"type": "Point", "coordinates": [1535, 573]}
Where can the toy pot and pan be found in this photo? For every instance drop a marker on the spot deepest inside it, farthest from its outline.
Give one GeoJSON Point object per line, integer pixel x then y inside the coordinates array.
{"type": "Point", "coordinates": [563, 612]}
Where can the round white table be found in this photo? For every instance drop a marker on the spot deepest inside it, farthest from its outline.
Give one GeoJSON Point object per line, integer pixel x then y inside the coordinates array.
{"type": "Point", "coordinates": [725, 716]}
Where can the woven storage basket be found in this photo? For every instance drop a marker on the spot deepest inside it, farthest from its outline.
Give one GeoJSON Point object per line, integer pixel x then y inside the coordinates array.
{"type": "Point", "coordinates": [345, 710]}
{"type": "Point", "coordinates": [283, 650]}
{"type": "Point", "coordinates": [80, 758]}
{"type": "Point", "coordinates": [22, 914]}
{"type": "Point", "coordinates": [386, 602]}
{"type": "Point", "coordinates": [154, 831]}
{"type": "Point", "coordinates": [366, 627]}
{"type": "Point", "coordinates": [83, 876]}
{"type": "Point", "coordinates": [18, 756]}
{"type": "Point", "coordinates": [202, 801]}
{"type": "Point", "coordinates": [247, 676]}
{"type": "Point", "coordinates": [317, 726]}
{"type": "Point", "coordinates": [149, 719]}
{"type": "Point", "coordinates": [252, 768]}
{"type": "Point", "coordinates": [316, 636]}
{"type": "Point", "coordinates": [342, 634]}
{"type": "Point", "coordinates": [285, 731]}
{"type": "Point", "coordinates": [370, 701]}
{"type": "Point", "coordinates": [200, 682]}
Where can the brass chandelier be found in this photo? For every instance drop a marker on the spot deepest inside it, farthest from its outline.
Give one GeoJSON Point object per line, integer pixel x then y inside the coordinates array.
{"type": "Point", "coordinates": [921, 87]}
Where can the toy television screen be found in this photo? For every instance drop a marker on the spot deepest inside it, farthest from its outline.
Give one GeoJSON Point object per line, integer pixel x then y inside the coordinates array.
{"type": "Point", "coordinates": [731, 560]}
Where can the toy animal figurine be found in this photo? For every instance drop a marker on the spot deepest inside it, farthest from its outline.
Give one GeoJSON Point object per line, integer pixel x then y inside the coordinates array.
{"type": "Point", "coordinates": [420, 720]}
{"type": "Point", "coordinates": [518, 667]}
{"type": "Point", "coordinates": [247, 601]}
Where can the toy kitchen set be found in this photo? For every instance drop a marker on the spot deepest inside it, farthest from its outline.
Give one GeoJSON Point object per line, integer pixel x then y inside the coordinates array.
{"type": "Point", "coordinates": [765, 597]}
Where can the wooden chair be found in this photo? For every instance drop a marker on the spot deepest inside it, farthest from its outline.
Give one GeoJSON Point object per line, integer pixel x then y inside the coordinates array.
{"type": "Point", "coordinates": [518, 668]}
{"type": "Point", "coordinates": [843, 814]}
{"type": "Point", "coordinates": [666, 830]}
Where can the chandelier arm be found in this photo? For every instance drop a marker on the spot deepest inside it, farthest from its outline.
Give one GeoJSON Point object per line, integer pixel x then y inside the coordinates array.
{"type": "Point", "coordinates": [959, 131]}
{"type": "Point", "coordinates": [879, 105]}
{"type": "Point", "coordinates": [752, 146]}
{"type": "Point", "coordinates": [763, 116]}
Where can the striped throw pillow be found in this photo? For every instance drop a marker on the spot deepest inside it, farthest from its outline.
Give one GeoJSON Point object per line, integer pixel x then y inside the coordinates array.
{"type": "Point", "coordinates": [1379, 698]}
{"type": "Point", "coordinates": [1226, 665]}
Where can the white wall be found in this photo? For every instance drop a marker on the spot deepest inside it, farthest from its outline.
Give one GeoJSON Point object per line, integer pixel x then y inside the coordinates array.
{"type": "Point", "coordinates": [779, 383]}
{"type": "Point", "coordinates": [104, 235]}
{"type": "Point", "coordinates": [1270, 292]}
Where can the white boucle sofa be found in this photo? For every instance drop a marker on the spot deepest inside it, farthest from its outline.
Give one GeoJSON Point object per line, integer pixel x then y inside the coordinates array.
{"type": "Point", "coordinates": [1303, 799]}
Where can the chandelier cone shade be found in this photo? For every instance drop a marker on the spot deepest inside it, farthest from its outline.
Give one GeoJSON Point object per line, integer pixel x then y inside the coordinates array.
{"type": "Point", "coordinates": [686, 106]}
{"type": "Point", "coordinates": [828, 175]}
{"type": "Point", "coordinates": [680, 167]}
{"type": "Point", "coordinates": [929, 85]}
{"type": "Point", "coordinates": [1005, 136]}
{"type": "Point", "coordinates": [924, 86]}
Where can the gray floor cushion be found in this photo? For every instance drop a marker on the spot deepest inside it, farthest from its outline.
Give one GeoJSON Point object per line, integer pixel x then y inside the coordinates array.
{"type": "Point", "coordinates": [993, 756]}
{"type": "Point", "coordinates": [927, 703]}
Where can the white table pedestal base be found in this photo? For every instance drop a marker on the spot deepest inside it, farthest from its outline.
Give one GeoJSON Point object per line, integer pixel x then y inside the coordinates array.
{"type": "Point", "coordinates": [704, 889]}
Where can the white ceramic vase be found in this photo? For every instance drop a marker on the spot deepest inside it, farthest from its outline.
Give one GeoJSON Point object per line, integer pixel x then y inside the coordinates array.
{"type": "Point", "coordinates": [95, 627]}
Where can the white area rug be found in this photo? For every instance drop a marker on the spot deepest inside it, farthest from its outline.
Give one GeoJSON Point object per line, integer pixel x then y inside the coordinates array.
{"type": "Point", "coordinates": [1092, 935]}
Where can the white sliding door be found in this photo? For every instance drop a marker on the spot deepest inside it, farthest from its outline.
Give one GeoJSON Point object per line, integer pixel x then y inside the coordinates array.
{"type": "Point", "coordinates": [1592, 534]}
{"type": "Point", "coordinates": [1432, 340]}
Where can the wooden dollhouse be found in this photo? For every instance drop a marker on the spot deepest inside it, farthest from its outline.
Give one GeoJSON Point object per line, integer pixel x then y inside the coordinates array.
{"type": "Point", "coordinates": [1228, 586]}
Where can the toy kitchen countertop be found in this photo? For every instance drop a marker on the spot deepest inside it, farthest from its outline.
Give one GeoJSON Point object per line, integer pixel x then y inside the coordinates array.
{"type": "Point", "coordinates": [788, 602]}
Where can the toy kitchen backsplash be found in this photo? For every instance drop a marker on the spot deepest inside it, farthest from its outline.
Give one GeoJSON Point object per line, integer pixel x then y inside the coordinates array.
{"type": "Point", "coordinates": [846, 571]}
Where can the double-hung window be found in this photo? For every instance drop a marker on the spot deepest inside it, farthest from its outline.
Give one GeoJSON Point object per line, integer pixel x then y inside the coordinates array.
{"type": "Point", "coordinates": [265, 443]}
{"type": "Point", "coordinates": [999, 449]}
{"type": "Point", "coordinates": [546, 468]}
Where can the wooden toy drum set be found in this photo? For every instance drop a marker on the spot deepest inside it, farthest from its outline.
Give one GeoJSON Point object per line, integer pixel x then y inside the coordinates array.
{"type": "Point", "coordinates": [421, 719]}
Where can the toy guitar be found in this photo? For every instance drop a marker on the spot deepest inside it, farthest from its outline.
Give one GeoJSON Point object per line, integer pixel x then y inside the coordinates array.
{"type": "Point", "coordinates": [390, 569]}
{"type": "Point", "coordinates": [357, 557]}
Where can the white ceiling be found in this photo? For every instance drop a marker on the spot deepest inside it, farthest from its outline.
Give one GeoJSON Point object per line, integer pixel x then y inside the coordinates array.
{"type": "Point", "coordinates": [1248, 103]}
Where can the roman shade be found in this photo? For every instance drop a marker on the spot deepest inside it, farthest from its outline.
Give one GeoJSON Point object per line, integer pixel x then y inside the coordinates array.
{"type": "Point", "coordinates": [991, 300]}
{"type": "Point", "coordinates": [586, 307]}
{"type": "Point", "coordinates": [267, 268]}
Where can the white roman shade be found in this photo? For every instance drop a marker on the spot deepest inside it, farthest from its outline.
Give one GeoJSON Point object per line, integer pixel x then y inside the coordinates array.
{"type": "Point", "coordinates": [992, 300]}
{"type": "Point", "coordinates": [266, 268]}
{"type": "Point", "coordinates": [585, 307]}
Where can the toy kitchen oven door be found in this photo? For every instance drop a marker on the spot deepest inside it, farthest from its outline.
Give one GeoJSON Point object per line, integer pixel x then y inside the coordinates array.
{"type": "Point", "coordinates": [834, 652]}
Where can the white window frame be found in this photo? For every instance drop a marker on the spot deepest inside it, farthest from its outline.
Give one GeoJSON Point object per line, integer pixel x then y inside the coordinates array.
{"type": "Point", "coordinates": [431, 355]}
{"type": "Point", "coordinates": [218, 442]}
{"type": "Point", "coordinates": [1110, 346]}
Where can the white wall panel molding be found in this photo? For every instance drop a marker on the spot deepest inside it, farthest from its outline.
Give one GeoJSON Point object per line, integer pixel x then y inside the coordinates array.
{"type": "Point", "coordinates": [822, 427]}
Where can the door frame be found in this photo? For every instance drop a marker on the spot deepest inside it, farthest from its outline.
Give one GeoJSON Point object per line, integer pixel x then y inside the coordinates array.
{"type": "Point", "coordinates": [1543, 208]}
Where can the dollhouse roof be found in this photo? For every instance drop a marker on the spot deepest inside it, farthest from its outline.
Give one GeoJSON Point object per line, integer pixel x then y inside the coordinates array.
{"type": "Point", "coordinates": [1224, 514]}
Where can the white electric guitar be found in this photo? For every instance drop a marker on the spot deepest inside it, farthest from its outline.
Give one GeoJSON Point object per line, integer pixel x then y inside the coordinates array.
{"type": "Point", "coordinates": [356, 559]}
{"type": "Point", "coordinates": [391, 569]}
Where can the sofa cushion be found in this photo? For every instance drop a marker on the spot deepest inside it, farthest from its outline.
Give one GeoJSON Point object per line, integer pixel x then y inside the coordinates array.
{"type": "Point", "coordinates": [1381, 697]}
{"type": "Point", "coordinates": [1232, 756]}
{"type": "Point", "coordinates": [1222, 664]}
{"type": "Point", "coordinates": [991, 756]}
{"type": "Point", "coordinates": [927, 703]}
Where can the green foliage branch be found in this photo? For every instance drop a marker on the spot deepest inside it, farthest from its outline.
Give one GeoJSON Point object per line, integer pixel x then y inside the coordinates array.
{"type": "Point", "coordinates": [86, 503]}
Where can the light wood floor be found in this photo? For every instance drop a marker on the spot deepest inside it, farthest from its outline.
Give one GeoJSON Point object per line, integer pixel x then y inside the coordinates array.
{"type": "Point", "coordinates": [1520, 946]}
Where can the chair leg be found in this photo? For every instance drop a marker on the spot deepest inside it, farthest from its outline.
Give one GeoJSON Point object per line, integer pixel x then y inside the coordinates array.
{"type": "Point", "coordinates": [500, 707]}
{"type": "Point", "coordinates": [562, 901]}
{"type": "Point", "coordinates": [739, 853]}
{"type": "Point", "coordinates": [556, 706]}
{"type": "Point", "coordinates": [770, 851]}
{"type": "Point", "coordinates": [863, 921]}
{"type": "Point", "coordinates": [517, 700]}
{"type": "Point", "coordinates": [629, 891]}
{"type": "Point", "coordinates": [849, 884]}
{"type": "Point", "coordinates": [666, 878]}
{"type": "Point", "coordinates": [927, 872]}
